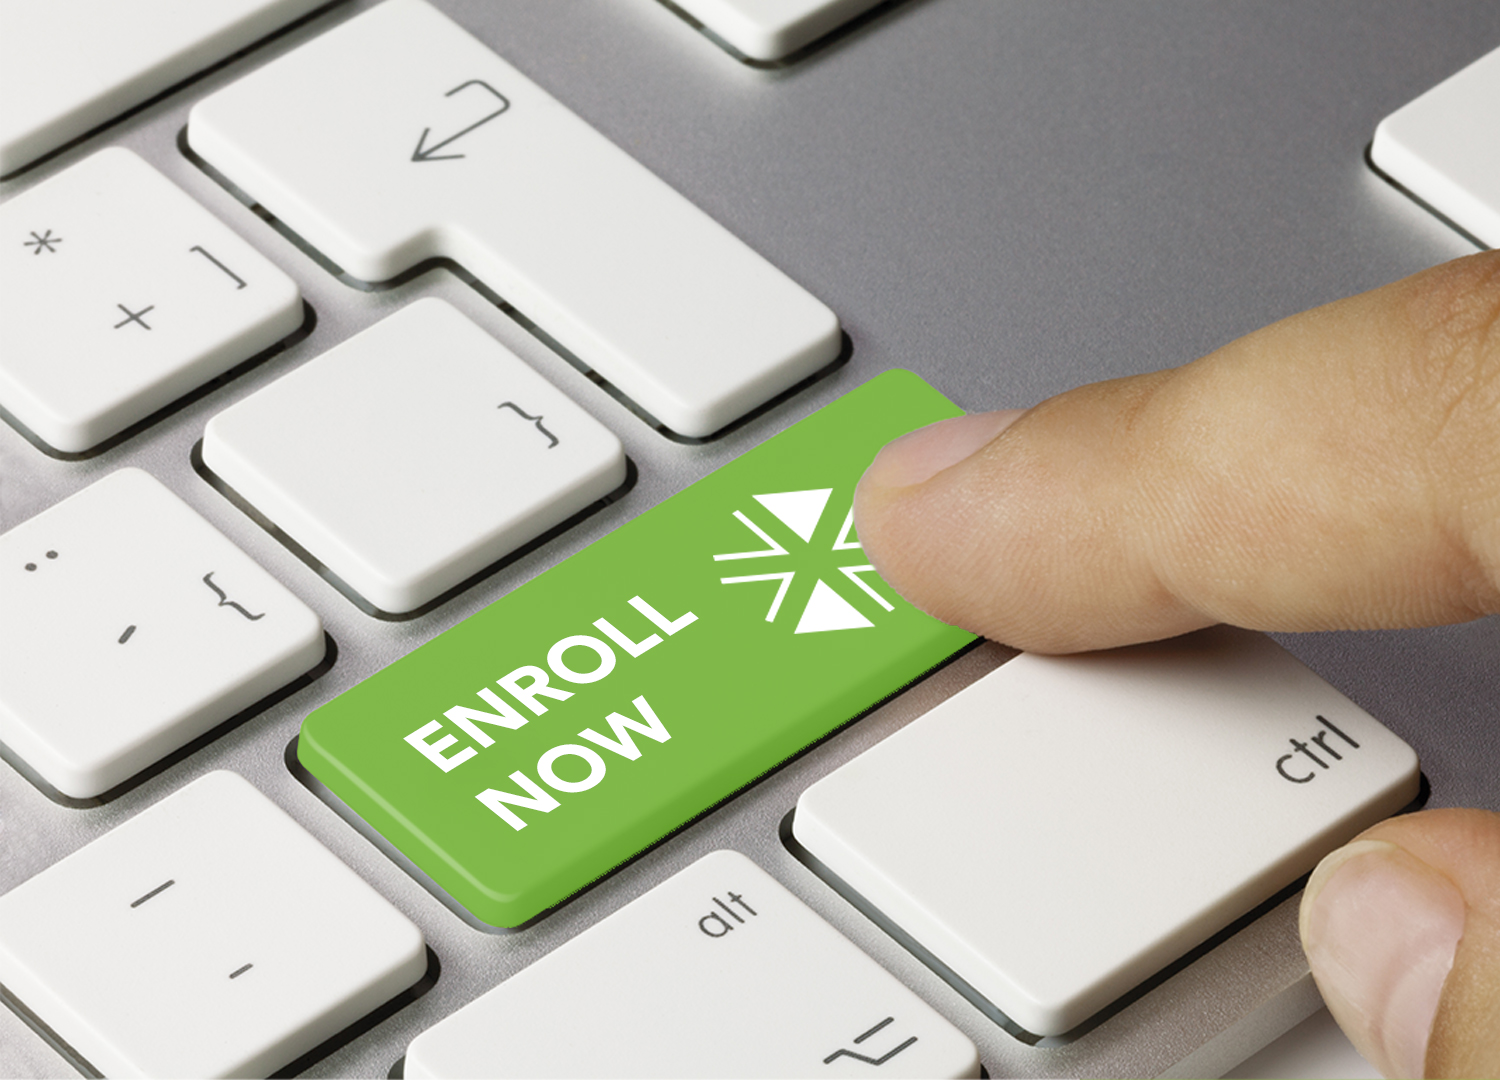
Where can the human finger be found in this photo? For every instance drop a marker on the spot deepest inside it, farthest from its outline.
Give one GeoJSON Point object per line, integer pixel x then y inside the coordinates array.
{"type": "Point", "coordinates": [1402, 929]}
{"type": "Point", "coordinates": [1338, 469]}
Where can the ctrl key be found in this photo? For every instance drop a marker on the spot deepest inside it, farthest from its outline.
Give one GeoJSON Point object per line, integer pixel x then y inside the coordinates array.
{"type": "Point", "coordinates": [718, 971]}
{"type": "Point", "coordinates": [1069, 825]}
{"type": "Point", "coordinates": [209, 935]}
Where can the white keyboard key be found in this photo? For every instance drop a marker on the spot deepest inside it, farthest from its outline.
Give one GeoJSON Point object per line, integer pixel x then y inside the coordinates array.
{"type": "Point", "coordinates": [209, 935]}
{"type": "Point", "coordinates": [771, 29]}
{"type": "Point", "coordinates": [1444, 148]}
{"type": "Point", "coordinates": [413, 455]}
{"type": "Point", "coordinates": [1128, 805]}
{"type": "Point", "coordinates": [128, 627]}
{"type": "Point", "coordinates": [66, 68]}
{"type": "Point", "coordinates": [121, 295]}
{"type": "Point", "coordinates": [718, 971]}
{"type": "Point", "coordinates": [434, 146]}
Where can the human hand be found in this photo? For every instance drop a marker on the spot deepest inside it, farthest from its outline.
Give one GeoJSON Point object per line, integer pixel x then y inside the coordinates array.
{"type": "Point", "coordinates": [1339, 469]}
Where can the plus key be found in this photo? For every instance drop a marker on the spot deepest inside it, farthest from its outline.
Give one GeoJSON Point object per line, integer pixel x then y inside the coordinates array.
{"type": "Point", "coordinates": [118, 303]}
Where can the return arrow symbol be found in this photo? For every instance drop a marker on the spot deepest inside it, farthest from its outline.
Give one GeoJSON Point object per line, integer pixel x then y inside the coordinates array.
{"type": "Point", "coordinates": [423, 152]}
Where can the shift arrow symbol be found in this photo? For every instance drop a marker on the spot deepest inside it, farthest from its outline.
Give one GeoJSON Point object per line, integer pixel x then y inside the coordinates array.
{"type": "Point", "coordinates": [423, 152]}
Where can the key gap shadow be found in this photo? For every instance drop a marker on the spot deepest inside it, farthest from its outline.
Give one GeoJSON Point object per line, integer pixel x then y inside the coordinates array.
{"type": "Point", "coordinates": [352, 817]}
{"type": "Point", "coordinates": [824, 43]}
{"type": "Point", "coordinates": [317, 566]}
{"type": "Point", "coordinates": [187, 749]}
{"type": "Point", "coordinates": [1423, 203]}
{"type": "Point", "coordinates": [334, 1042]}
{"type": "Point", "coordinates": [992, 1012]}
{"type": "Point", "coordinates": [846, 344]}
{"type": "Point", "coordinates": [176, 405]}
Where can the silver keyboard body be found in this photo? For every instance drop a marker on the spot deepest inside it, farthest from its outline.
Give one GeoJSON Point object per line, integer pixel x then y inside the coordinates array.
{"type": "Point", "coordinates": [1010, 199]}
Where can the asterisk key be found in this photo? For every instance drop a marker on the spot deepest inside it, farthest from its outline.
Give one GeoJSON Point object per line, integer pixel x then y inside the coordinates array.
{"type": "Point", "coordinates": [43, 242]}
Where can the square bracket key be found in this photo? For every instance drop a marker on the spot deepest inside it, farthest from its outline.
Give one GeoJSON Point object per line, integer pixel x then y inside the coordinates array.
{"type": "Point", "coordinates": [122, 294]}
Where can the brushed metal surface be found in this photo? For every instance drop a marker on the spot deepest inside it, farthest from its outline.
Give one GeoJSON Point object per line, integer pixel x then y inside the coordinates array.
{"type": "Point", "coordinates": [1009, 198]}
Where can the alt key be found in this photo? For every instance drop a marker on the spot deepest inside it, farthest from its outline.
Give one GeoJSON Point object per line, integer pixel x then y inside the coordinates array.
{"type": "Point", "coordinates": [718, 971]}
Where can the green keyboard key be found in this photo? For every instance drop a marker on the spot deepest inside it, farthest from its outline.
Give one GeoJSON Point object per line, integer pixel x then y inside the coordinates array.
{"type": "Point", "coordinates": [526, 752]}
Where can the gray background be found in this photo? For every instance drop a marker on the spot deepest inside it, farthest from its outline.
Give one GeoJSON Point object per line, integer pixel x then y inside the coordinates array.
{"type": "Point", "coordinates": [1009, 198]}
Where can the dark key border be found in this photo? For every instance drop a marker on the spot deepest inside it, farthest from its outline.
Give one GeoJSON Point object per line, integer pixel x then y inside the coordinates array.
{"type": "Point", "coordinates": [845, 353]}
{"type": "Point", "coordinates": [991, 1012]}
{"type": "Point", "coordinates": [298, 1065]}
{"type": "Point", "coordinates": [219, 484]}
{"type": "Point", "coordinates": [197, 393]}
{"type": "Point", "coordinates": [187, 749]}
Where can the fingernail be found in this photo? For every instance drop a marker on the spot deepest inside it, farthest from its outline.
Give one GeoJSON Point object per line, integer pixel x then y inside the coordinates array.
{"type": "Point", "coordinates": [927, 451]}
{"type": "Point", "coordinates": [1381, 928]}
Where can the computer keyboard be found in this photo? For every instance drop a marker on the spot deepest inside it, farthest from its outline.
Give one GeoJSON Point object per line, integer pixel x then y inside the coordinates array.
{"type": "Point", "coordinates": [185, 298]}
{"type": "Point", "coordinates": [415, 155]}
{"type": "Point", "coordinates": [244, 942]}
{"type": "Point", "coordinates": [631, 688]}
{"type": "Point", "coordinates": [131, 627]}
{"type": "Point", "coordinates": [439, 666]}
{"type": "Point", "coordinates": [67, 69]}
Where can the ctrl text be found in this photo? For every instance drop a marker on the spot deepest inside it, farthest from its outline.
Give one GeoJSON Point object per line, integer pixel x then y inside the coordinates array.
{"type": "Point", "coordinates": [1297, 766]}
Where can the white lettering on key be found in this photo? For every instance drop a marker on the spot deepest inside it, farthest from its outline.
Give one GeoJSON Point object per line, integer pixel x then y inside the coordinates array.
{"type": "Point", "coordinates": [538, 798]}
{"type": "Point", "coordinates": [527, 695]}
{"type": "Point", "coordinates": [633, 648]}
{"type": "Point", "coordinates": [621, 726]}
{"type": "Point", "coordinates": [660, 621]}
{"type": "Point", "coordinates": [528, 683]}
{"type": "Point", "coordinates": [605, 654]}
{"type": "Point", "coordinates": [583, 753]}
{"type": "Point", "coordinates": [505, 715]}
{"type": "Point", "coordinates": [433, 751]}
